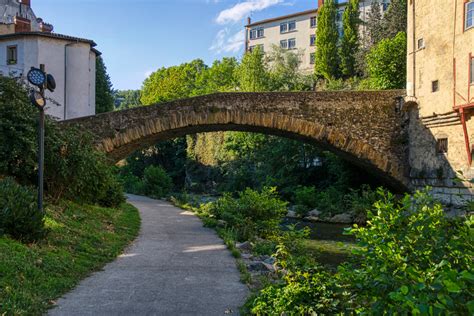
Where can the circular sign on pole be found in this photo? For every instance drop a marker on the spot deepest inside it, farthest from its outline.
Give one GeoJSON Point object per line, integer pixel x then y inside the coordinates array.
{"type": "Point", "coordinates": [36, 77]}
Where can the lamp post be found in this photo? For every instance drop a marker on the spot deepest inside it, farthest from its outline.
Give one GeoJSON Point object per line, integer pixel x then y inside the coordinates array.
{"type": "Point", "coordinates": [39, 78]}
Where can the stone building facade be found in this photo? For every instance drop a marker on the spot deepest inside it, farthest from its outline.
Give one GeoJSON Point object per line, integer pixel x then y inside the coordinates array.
{"type": "Point", "coordinates": [440, 95]}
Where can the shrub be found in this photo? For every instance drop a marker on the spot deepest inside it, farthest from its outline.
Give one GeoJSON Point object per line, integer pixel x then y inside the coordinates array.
{"type": "Point", "coordinates": [73, 168]}
{"type": "Point", "coordinates": [132, 184]}
{"type": "Point", "coordinates": [252, 214]}
{"type": "Point", "coordinates": [360, 202]}
{"type": "Point", "coordinates": [157, 183]}
{"type": "Point", "coordinates": [19, 215]}
{"type": "Point", "coordinates": [305, 199]}
{"type": "Point", "coordinates": [414, 259]}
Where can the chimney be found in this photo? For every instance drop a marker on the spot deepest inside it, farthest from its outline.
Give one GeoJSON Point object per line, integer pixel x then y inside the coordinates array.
{"type": "Point", "coordinates": [249, 21]}
{"type": "Point", "coordinates": [22, 25]}
{"type": "Point", "coordinates": [26, 2]}
{"type": "Point", "coordinates": [320, 4]}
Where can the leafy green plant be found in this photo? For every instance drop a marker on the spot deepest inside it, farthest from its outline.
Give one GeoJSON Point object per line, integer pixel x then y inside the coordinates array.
{"type": "Point", "coordinates": [414, 259]}
{"type": "Point", "coordinates": [157, 183]}
{"type": "Point", "coordinates": [360, 202]}
{"type": "Point", "coordinates": [19, 214]}
{"type": "Point", "coordinates": [305, 199]}
{"type": "Point", "coordinates": [252, 213]}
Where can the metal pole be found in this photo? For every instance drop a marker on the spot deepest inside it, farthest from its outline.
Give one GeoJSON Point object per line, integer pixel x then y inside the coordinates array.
{"type": "Point", "coordinates": [40, 159]}
{"type": "Point", "coordinates": [41, 151]}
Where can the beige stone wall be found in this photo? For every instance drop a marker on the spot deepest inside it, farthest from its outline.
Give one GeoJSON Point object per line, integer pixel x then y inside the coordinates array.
{"type": "Point", "coordinates": [444, 56]}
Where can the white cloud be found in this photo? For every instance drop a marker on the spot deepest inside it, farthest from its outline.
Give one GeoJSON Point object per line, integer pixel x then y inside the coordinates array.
{"type": "Point", "coordinates": [243, 9]}
{"type": "Point", "coordinates": [225, 42]}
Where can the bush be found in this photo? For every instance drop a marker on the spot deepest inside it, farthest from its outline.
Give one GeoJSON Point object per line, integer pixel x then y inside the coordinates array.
{"type": "Point", "coordinates": [132, 184]}
{"type": "Point", "coordinates": [157, 183]}
{"type": "Point", "coordinates": [305, 199]}
{"type": "Point", "coordinates": [73, 168]}
{"type": "Point", "coordinates": [414, 259]}
{"type": "Point", "coordinates": [252, 214]}
{"type": "Point", "coordinates": [19, 214]}
{"type": "Point", "coordinates": [360, 202]}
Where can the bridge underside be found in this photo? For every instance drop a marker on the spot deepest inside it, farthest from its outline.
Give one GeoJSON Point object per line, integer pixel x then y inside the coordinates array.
{"type": "Point", "coordinates": [362, 127]}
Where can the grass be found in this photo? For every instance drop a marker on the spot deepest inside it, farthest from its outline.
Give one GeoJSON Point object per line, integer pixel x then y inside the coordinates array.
{"type": "Point", "coordinates": [328, 252]}
{"type": "Point", "coordinates": [82, 239]}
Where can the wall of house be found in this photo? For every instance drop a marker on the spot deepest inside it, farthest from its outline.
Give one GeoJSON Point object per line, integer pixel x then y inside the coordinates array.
{"type": "Point", "coordinates": [440, 25]}
{"type": "Point", "coordinates": [75, 62]}
{"type": "Point", "coordinates": [302, 35]}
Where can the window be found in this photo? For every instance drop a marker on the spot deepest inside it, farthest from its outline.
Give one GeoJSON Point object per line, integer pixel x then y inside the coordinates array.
{"type": "Point", "coordinates": [442, 146]}
{"type": "Point", "coordinates": [421, 43]}
{"type": "Point", "coordinates": [385, 5]}
{"type": "Point", "coordinates": [12, 55]}
{"type": "Point", "coordinates": [313, 22]}
{"type": "Point", "coordinates": [251, 48]}
{"type": "Point", "coordinates": [284, 44]}
{"type": "Point", "coordinates": [257, 33]}
{"type": "Point", "coordinates": [291, 43]}
{"type": "Point", "coordinates": [435, 86]}
{"type": "Point", "coordinates": [287, 27]}
{"type": "Point", "coordinates": [471, 69]}
{"type": "Point", "coordinates": [469, 14]}
{"type": "Point", "coordinates": [312, 58]}
{"type": "Point", "coordinates": [312, 40]}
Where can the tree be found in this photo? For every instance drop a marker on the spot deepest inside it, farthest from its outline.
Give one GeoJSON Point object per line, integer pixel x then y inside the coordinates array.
{"type": "Point", "coordinates": [326, 58]}
{"type": "Point", "coordinates": [395, 19]}
{"type": "Point", "coordinates": [375, 32]}
{"type": "Point", "coordinates": [104, 98]}
{"type": "Point", "coordinates": [177, 82]}
{"type": "Point", "coordinates": [127, 99]}
{"type": "Point", "coordinates": [221, 76]}
{"type": "Point", "coordinates": [350, 39]}
{"type": "Point", "coordinates": [284, 72]}
{"type": "Point", "coordinates": [252, 74]}
{"type": "Point", "coordinates": [387, 63]}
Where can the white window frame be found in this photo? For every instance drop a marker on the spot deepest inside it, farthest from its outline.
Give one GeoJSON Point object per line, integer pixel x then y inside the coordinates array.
{"type": "Point", "coordinates": [292, 40]}
{"type": "Point", "coordinates": [469, 15]}
{"type": "Point", "coordinates": [284, 44]}
{"type": "Point", "coordinates": [313, 22]}
{"type": "Point", "coordinates": [312, 40]}
{"type": "Point", "coordinates": [285, 27]}
{"type": "Point", "coordinates": [257, 33]}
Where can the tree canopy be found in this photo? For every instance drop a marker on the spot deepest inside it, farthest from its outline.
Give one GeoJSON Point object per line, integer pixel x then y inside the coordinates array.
{"type": "Point", "coordinates": [104, 98]}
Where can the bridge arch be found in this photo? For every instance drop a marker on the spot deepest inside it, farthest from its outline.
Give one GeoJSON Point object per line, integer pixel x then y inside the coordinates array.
{"type": "Point", "coordinates": [364, 128]}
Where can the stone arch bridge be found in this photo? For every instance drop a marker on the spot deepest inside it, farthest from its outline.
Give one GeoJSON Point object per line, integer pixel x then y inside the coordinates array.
{"type": "Point", "coordinates": [366, 128]}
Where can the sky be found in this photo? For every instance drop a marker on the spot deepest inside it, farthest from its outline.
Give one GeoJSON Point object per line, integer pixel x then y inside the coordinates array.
{"type": "Point", "coordinates": [137, 37]}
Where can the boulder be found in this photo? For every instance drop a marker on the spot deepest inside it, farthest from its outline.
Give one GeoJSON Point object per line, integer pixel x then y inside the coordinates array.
{"type": "Point", "coordinates": [311, 219]}
{"type": "Point", "coordinates": [221, 223]}
{"type": "Point", "coordinates": [314, 213]}
{"type": "Point", "coordinates": [292, 214]}
{"type": "Point", "coordinates": [344, 218]}
{"type": "Point", "coordinates": [244, 246]}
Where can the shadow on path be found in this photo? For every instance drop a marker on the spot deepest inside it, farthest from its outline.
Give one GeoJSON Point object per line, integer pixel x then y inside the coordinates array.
{"type": "Point", "coordinates": [175, 267]}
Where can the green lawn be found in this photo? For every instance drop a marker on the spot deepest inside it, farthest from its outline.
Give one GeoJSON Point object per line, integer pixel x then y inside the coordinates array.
{"type": "Point", "coordinates": [82, 239]}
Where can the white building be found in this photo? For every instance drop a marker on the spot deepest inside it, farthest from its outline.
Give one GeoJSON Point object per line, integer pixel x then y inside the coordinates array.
{"type": "Point", "coordinates": [26, 41]}
{"type": "Point", "coordinates": [298, 31]}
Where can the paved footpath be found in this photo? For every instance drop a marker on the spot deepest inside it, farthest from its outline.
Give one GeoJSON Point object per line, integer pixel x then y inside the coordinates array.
{"type": "Point", "coordinates": [175, 267]}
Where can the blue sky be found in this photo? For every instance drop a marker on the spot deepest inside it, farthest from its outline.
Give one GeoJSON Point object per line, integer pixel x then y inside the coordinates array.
{"type": "Point", "coordinates": [137, 37]}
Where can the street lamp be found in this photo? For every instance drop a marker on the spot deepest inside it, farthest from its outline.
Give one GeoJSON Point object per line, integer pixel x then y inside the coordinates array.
{"type": "Point", "coordinates": [38, 77]}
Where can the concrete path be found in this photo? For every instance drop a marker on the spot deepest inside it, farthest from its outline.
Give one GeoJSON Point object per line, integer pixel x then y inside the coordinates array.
{"type": "Point", "coordinates": [175, 267]}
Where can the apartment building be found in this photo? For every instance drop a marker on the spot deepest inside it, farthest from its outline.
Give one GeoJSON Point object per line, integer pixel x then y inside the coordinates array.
{"type": "Point", "coordinates": [440, 86]}
{"type": "Point", "coordinates": [297, 31]}
{"type": "Point", "coordinates": [27, 41]}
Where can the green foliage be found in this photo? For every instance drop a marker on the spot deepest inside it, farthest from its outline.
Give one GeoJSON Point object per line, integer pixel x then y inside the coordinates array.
{"type": "Point", "coordinates": [156, 182]}
{"type": "Point", "coordinates": [414, 259]}
{"type": "Point", "coordinates": [350, 39]}
{"type": "Point", "coordinates": [73, 168]}
{"type": "Point", "coordinates": [81, 239]}
{"type": "Point", "coordinates": [387, 63]}
{"type": "Point", "coordinates": [19, 214]}
{"type": "Point", "coordinates": [326, 58]}
{"type": "Point", "coordinates": [177, 82]}
{"type": "Point", "coordinates": [220, 77]}
{"type": "Point", "coordinates": [395, 19]}
{"type": "Point", "coordinates": [252, 214]}
{"type": "Point", "coordinates": [127, 99]}
{"type": "Point", "coordinates": [251, 73]}
{"type": "Point", "coordinates": [17, 131]}
{"type": "Point", "coordinates": [283, 71]}
{"type": "Point", "coordinates": [311, 292]}
{"type": "Point", "coordinates": [104, 98]}
{"type": "Point", "coordinates": [360, 202]}
{"type": "Point", "coordinates": [305, 199]}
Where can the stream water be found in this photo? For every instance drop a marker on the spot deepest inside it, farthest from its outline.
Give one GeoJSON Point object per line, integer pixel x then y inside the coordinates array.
{"type": "Point", "coordinates": [323, 231]}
